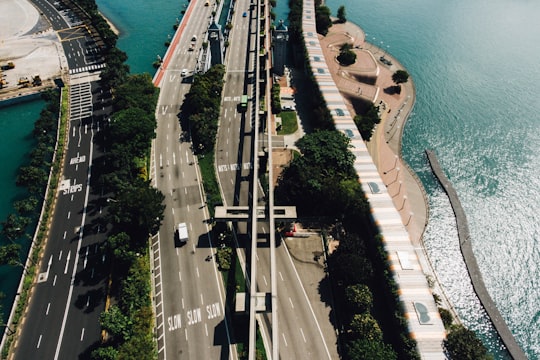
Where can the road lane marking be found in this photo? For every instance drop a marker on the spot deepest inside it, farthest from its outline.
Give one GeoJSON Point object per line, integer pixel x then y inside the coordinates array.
{"type": "Point", "coordinates": [291, 303]}
{"type": "Point", "coordinates": [65, 233]}
{"type": "Point", "coordinates": [281, 276]}
{"type": "Point", "coordinates": [206, 329]}
{"type": "Point", "coordinates": [85, 258]}
{"type": "Point", "coordinates": [39, 341]}
{"type": "Point", "coordinates": [303, 335]}
{"type": "Point", "coordinates": [54, 281]}
{"type": "Point", "coordinates": [67, 262]}
{"type": "Point", "coordinates": [183, 307]}
{"type": "Point", "coordinates": [48, 307]}
{"type": "Point", "coordinates": [202, 299]}
{"type": "Point", "coordinates": [264, 278]}
{"type": "Point", "coordinates": [60, 255]}
{"type": "Point", "coordinates": [180, 276]}
{"type": "Point", "coordinates": [197, 268]}
{"type": "Point", "coordinates": [284, 339]}
{"type": "Point", "coordinates": [82, 334]}
{"type": "Point", "coordinates": [71, 197]}
{"type": "Point", "coordinates": [69, 214]}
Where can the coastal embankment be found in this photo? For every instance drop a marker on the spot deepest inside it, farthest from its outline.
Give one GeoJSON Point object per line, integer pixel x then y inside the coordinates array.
{"type": "Point", "coordinates": [470, 261]}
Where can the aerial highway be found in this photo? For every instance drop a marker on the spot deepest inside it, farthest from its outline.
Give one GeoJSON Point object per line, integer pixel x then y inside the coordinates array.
{"type": "Point", "coordinates": [189, 294]}
{"type": "Point", "coordinates": [62, 320]}
{"type": "Point", "coordinates": [63, 315]}
{"type": "Point", "coordinates": [300, 335]}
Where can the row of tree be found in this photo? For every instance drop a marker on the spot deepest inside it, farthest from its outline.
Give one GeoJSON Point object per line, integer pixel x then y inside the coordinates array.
{"type": "Point", "coordinates": [33, 176]}
{"type": "Point", "coordinates": [323, 183]}
{"type": "Point", "coordinates": [135, 211]}
{"type": "Point", "coordinates": [201, 107]}
{"type": "Point", "coordinates": [135, 208]}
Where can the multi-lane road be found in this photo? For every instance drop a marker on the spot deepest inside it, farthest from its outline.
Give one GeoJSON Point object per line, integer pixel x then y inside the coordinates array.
{"type": "Point", "coordinates": [189, 295]}
{"type": "Point", "coordinates": [300, 336]}
{"type": "Point", "coordinates": [62, 320]}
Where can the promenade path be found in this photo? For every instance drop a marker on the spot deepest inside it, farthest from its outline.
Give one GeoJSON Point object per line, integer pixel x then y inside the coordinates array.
{"type": "Point", "coordinates": [472, 266]}
{"type": "Point", "coordinates": [406, 256]}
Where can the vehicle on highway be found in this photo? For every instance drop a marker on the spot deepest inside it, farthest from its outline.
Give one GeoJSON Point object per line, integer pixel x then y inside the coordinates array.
{"type": "Point", "coordinates": [184, 73]}
{"type": "Point", "coordinates": [243, 103]}
{"type": "Point", "coordinates": [182, 233]}
{"type": "Point", "coordinates": [194, 38]}
{"type": "Point", "coordinates": [206, 3]}
{"type": "Point", "coordinates": [244, 14]}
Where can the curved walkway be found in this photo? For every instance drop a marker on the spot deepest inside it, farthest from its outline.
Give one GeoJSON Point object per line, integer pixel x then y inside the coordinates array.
{"type": "Point", "coordinates": [470, 261]}
{"type": "Point", "coordinates": [425, 324]}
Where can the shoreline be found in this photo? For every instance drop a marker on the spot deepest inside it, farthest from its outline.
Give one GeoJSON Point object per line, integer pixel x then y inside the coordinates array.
{"type": "Point", "coordinates": [111, 24]}
{"type": "Point", "coordinates": [405, 188]}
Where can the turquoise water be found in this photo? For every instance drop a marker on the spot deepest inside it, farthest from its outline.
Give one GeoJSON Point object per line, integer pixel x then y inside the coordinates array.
{"type": "Point", "coordinates": [16, 124]}
{"type": "Point", "coordinates": [475, 67]}
{"type": "Point", "coordinates": [145, 26]}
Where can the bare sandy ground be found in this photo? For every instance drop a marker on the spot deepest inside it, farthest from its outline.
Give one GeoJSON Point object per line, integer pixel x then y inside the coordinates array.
{"type": "Point", "coordinates": [27, 40]}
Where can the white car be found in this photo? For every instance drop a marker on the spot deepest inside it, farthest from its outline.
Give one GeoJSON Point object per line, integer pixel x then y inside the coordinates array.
{"type": "Point", "coordinates": [183, 73]}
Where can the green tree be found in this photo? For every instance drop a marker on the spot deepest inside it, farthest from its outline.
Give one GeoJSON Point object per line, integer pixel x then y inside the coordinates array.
{"type": "Point", "coordinates": [33, 178]}
{"type": "Point", "coordinates": [400, 77]}
{"type": "Point", "coordinates": [346, 57]}
{"type": "Point", "coordinates": [366, 122]}
{"type": "Point", "coordinates": [15, 226]}
{"type": "Point", "coordinates": [322, 19]}
{"type": "Point", "coordinates": [137, 91]}
{"type": "Point", "coordinates": [116, 323]}
{"type": "Point", "coordinates": [131, 131]}
{"type": "Point", "coordinates": [366, 327]}
{"type": "Point", "coordinates": [364, 349]}
{"type": "Point", "coordinates": [104, 353]}
{"type": "Point", "coordinates": [138, 210]}
{"type": "Point", "coordinates": [119, 246]}
{"type": "Point", "coordinates": [26, 206]}
{"type": "Point", "coordinates": [313, 181]}
{"type": "Point", "coordinates": [463, 344]}
{"type": "Point", "coordinates": [135, 289]}
{"type": "Point", "coordinates": [341, 15]}
{"type": "Point", "coordinates": [359, 298]}
{"type": "Point", "coordinates": [446, 317]}
{"type": "Point", "coordinates": [9, 255]}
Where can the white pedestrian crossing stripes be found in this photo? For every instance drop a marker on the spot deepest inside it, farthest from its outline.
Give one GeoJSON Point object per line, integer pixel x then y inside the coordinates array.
{"type": "Point", "coordinates": [86, 68]}
{"type": "Point", "coordinates": [235, 167]}
{"type": "Point", "coordinates": [80, 101]}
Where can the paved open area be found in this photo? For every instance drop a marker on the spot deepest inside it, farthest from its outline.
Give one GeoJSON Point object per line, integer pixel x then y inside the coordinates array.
{"type": "Point", "coordinates": [27, 40]}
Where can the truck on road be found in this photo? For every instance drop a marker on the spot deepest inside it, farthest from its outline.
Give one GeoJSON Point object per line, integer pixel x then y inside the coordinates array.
{"type": "Point", "coordinates": [182, 233]}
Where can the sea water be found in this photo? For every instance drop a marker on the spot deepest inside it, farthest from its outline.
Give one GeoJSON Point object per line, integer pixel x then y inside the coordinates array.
{"type": "Point", "coordinates": [16, 142]}
{"type": "Point", "coordinates": [475, 67]}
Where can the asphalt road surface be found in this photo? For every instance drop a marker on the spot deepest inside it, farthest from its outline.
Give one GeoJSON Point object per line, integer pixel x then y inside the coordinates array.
{"type": "Point", "coordinates": [62, 321]}
{"type": "Point", "coordinates": [63, 316]}
{"type": "Point", "coordinates": [299, 332]}
{"type": "Point", "coordinates": [189, 294]}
